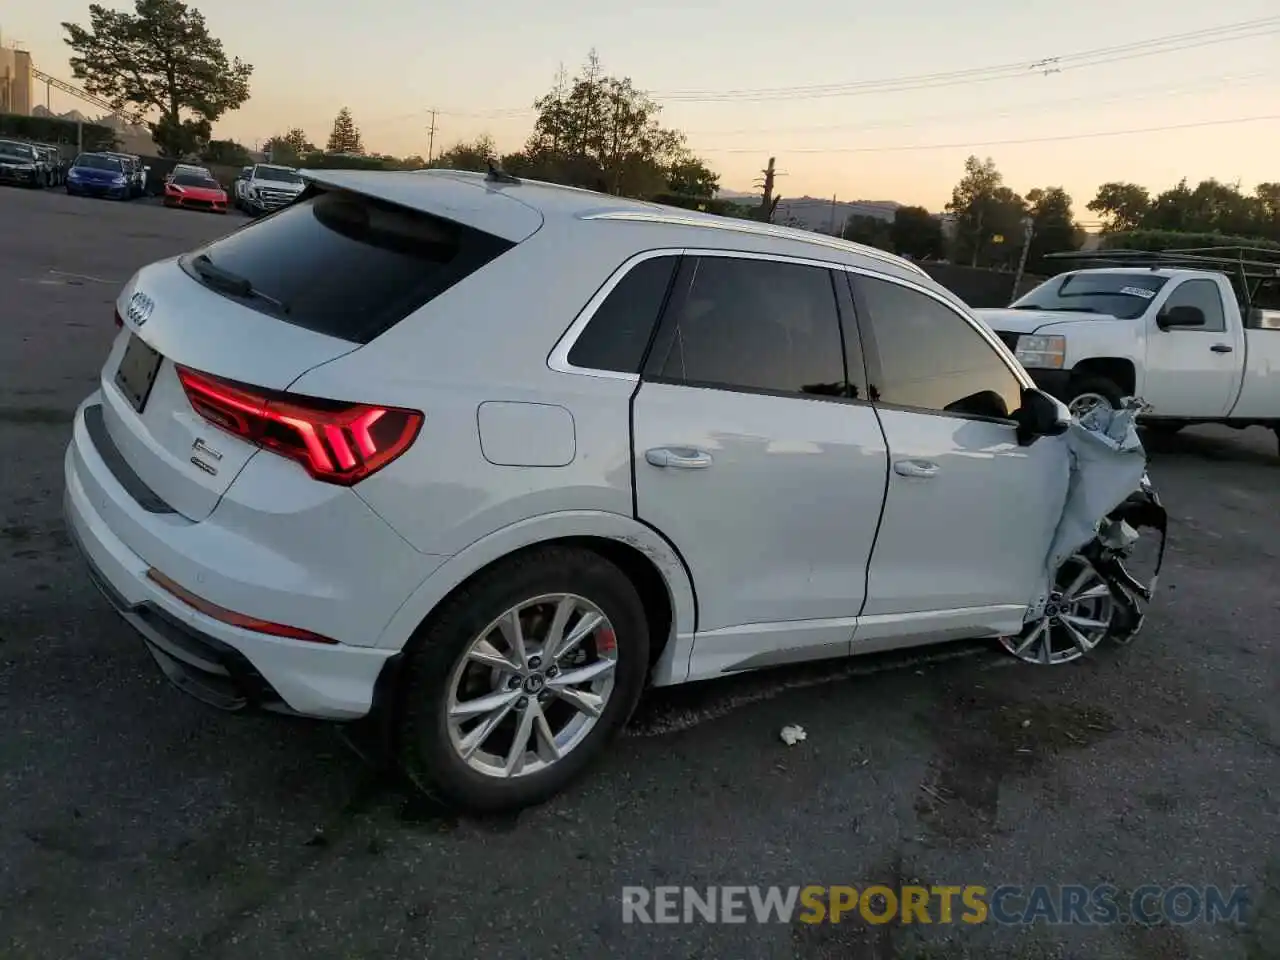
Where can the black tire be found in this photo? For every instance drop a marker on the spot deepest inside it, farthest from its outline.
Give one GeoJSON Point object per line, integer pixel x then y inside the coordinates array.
{"type": "Point", "coordinates": [421, 736]}
{"type": "Point", "coordinates": [1096, 385]}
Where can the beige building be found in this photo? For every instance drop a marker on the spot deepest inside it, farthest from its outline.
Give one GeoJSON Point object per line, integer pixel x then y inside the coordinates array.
{"type": "Point", "coordinates": [15, 81]}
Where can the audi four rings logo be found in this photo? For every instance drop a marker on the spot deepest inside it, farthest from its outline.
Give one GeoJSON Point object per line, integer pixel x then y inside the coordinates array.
{"type": "Point", "coordinates": [140, 307]}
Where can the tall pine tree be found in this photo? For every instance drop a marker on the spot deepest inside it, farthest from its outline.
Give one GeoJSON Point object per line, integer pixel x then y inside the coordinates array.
{"type": "Point", "coordinates": [345, 137]}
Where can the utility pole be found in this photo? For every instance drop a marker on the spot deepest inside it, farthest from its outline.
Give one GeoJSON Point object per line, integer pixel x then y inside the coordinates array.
{"type": "Point", "coordinates": [768, 202]}
{"type": "Point", "coordinates": [431, 138]}
{"type": "Point", "coordinates": [833, 217]}
{"type": "Point", "coordinates": [1028, 229]}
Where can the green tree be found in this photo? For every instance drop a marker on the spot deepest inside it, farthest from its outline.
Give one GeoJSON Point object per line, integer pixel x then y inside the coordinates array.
{"type": "Point", "coordinates": [601, 132]}
{"type": "Point", "coordinates": [226, 152]}
{"type": "Point", "coordinates": [289, 147]}
{"type": "Point", "coordinates": [988, 215]}
{"type": "Point", "coordinates": [690, 177]}
{"type": "Point", "coordinates": [345, 136]}
{"type": "Point", "coordinates": [162, 61]}
{"type": "Point", "coordinates": [1122, 206]}
{"type": "Point", "coordinates": [872, 231]}
{"type": "Point", "coordinates": [474, 155]}
{"type": "Point", "coordinates": [1053, 224]}
{"type": "Point", "coordinates": [916, 233]}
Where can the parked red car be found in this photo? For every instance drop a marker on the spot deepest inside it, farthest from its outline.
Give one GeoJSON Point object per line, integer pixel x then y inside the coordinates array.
{"type": "Point", "coordinates": [195, 192]}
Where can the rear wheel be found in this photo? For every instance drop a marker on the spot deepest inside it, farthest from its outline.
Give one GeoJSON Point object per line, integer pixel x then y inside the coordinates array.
{"type": "Point", "coordinates": [1087, 393]}
{"type": "Point", "coordinates": [521, 679]}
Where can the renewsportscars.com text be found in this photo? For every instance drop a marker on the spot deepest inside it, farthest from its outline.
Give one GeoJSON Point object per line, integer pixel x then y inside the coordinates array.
{"type": "Point", "coordinates": [876, 904]}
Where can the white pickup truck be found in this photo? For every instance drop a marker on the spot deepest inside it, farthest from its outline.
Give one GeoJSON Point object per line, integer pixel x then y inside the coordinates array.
{"type": "Point", "coordinates": [1186, 331]}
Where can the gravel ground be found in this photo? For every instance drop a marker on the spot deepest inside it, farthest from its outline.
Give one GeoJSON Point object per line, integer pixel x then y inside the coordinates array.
{"type": "Point", "coordinates": [138, 824]}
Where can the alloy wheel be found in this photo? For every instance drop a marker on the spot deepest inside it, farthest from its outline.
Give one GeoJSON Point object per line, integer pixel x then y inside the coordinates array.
{"type": "Point", "coordinates": [532, 685]}
{"type": "Point", "coordinates": [1086, 402]}
{"type": "Point", "coordinates": [1076, 618]}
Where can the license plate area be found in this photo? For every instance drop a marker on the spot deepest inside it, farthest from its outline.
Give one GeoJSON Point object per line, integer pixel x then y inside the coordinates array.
{"type": "Point", "coordinates": [137, 372]}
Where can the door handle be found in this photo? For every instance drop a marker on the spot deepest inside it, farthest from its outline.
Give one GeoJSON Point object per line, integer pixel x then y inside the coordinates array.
{"type": "Point", "coordinates": [1221, 348]}
{"type": "Point", "coordinates": [923, 469]}
{"type": "Point", "coordinates": [683, 458]}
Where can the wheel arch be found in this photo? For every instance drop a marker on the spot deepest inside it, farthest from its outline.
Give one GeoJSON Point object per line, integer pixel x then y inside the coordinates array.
{"type": "Point", "coordinates": [644, 555]}
{"type": "Point", "coordinates": [1119, 370]}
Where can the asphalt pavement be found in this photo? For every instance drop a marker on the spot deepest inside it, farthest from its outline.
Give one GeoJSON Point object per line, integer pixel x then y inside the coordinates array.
{"type": "Point", "coordinates": [136, 823]}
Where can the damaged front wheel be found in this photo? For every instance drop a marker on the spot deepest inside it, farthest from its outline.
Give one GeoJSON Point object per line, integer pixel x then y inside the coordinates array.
{"type": "Point", "coordinates": [1076, 617]}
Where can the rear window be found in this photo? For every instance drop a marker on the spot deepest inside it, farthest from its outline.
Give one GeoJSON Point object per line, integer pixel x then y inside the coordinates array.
{"type": "Point", "coordinates": [344, 265]}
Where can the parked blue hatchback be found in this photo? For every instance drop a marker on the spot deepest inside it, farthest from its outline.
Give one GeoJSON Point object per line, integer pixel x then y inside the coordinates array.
{"type": "Point", "coordinates": [98, 175]}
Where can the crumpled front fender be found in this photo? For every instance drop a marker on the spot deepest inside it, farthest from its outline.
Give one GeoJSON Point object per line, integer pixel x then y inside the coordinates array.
{"type": "Point", "coordinates": [1108, 488]}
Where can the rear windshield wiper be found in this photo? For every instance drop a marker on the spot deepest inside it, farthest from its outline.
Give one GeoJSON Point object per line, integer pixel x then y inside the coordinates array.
{"type": "Point", "coordinates": [232, 283]}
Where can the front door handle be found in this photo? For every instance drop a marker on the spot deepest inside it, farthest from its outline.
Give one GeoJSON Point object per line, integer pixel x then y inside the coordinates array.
{"type": "Point", "coordinates": [1221, 348]}
{"type": "Point", "coordinates": [683, 458]}
{"type": "Point", "coordinates": [923, 469]}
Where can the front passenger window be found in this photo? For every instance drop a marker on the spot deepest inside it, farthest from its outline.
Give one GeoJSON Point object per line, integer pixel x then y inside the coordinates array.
{"type": "Point", "coordinates": [931, 358]}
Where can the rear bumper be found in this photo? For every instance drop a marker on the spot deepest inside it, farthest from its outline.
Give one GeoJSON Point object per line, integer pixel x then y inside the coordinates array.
{"type": "Point", "coordinates": [122, 536]}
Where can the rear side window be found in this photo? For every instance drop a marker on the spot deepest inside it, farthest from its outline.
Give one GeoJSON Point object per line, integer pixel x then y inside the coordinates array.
{"type": "Point", "coordinates": [619, 330]}
{"type": "Point", "coordinates": [752, 325]}
{"type": "Point", "coordinates": [343, 265]}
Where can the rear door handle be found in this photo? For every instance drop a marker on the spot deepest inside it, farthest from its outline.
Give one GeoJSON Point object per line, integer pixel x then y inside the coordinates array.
{"type": "Point", "coordinates": [922, 469]}
{"type": "Point", "coordinates": [682, 458]}
{"type": "Point", "coordinates": [1221, 348]}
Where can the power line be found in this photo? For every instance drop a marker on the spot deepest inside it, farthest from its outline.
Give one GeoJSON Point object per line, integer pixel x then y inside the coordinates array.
{"type": "Point", "coordinates": [1006, 143]}
{"type": "Point", "coordinates": [1035, 106]}
{"type": "Point", "coordinates": [1096, 57]}
{"type": "Point", "coordinates": [1100, 56]}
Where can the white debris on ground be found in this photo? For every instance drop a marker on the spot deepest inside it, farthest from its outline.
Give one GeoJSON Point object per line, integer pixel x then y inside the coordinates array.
{"type": "Point", "coordinates": [792, 734]}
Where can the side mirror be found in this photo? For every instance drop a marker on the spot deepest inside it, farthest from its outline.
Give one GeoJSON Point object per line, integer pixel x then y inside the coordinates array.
{"type": "Point", "coordinates": [1040, 416]}
{"type": "Point", "coordinates": [1180, 317]}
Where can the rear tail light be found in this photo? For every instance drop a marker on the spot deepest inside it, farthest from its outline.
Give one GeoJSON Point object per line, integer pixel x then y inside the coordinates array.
{"type": "Point", "coordinates": [338, 443]}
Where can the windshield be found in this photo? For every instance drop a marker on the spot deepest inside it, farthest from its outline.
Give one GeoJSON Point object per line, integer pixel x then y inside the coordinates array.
{"type": "Point", "coordinates": [196, 180]}
{"type": "Point", "coordinates": [17, 151]}
{"type": "Point", "coordinates": [278, 174]}
{"type": "Point", "coordinates": [93, 161]}
{"type": "Point", "coordinates": [1122, 295]}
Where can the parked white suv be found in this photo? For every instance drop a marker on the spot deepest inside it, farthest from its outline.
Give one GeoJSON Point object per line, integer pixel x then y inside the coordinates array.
{"type": "Point", "coordinates": [266, 187]}
{"type": "Point", "coordinates": [493, 455]}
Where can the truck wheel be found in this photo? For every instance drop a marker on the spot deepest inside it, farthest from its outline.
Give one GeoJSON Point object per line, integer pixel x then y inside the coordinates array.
{"type": "Point", "coordinates": [521, 679]}
{"type": "Point", "coordinates": [1087, 392]}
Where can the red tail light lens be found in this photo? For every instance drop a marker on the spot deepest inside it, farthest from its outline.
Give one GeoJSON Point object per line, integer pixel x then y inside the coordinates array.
{"type": "Point", "coordinates": [230, 616]}
{"type": "Point", "coordinates": [338, 443]}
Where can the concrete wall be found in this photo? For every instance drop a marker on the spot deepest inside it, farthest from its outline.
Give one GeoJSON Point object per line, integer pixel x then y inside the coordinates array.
{"type": "Point", "coordinates": [15, 81]}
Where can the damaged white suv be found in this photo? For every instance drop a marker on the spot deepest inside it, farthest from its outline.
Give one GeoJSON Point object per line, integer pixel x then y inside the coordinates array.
{"type": "Point", "coordinates": [489, 457]}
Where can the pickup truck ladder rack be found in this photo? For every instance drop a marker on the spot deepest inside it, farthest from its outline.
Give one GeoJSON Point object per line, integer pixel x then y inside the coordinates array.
{"type": "Point", "coordinates": [1250, 269]}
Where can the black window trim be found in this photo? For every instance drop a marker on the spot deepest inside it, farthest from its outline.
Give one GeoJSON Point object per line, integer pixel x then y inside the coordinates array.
{"type": "Point", "coordinates": [664, 332]}
{"type": "Point", "coordinates": [871, 354]}
{"type": "Point", "coordinates": [558, 358]}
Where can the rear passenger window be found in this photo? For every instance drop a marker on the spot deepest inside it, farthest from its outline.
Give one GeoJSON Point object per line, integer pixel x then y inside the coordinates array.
{"type": "Point", "coordinates": [619, 331]}
{"type": "Point", "coordinates": [342, 264]}
{"type": "Point", "coordinates": [753, 324]}
{"type": "Point", "coordinates": [931, 358]}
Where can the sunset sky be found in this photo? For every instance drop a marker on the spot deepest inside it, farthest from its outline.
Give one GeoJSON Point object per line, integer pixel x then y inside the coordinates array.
{"type": "Point", "coordinates": [481, 66]}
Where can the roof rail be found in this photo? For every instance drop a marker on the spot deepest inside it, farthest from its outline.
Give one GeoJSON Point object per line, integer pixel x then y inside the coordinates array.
{"type": "Point", "coordinates": [674, 216]}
